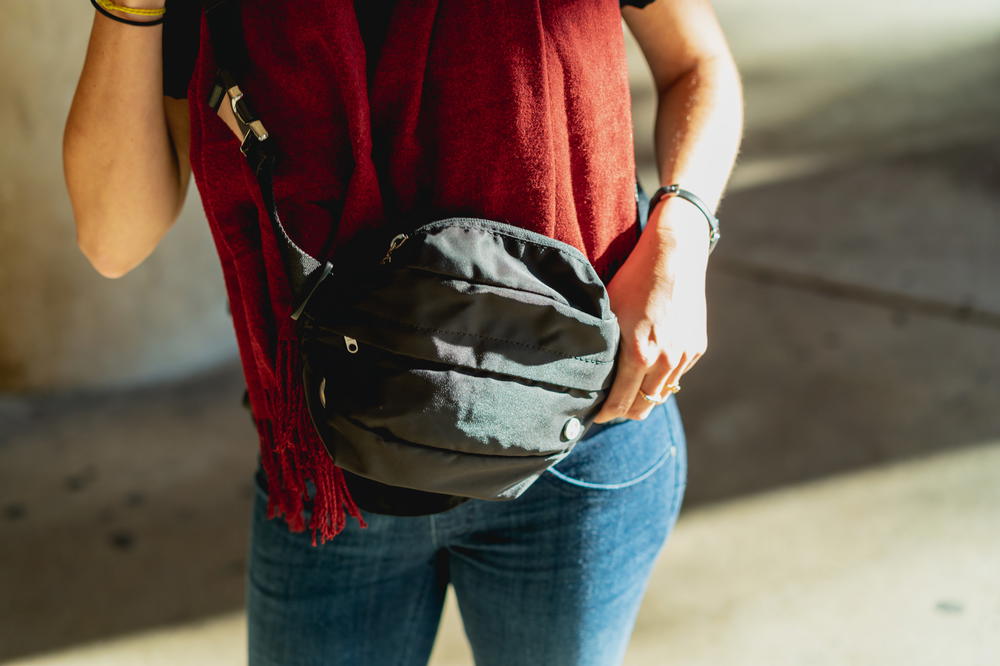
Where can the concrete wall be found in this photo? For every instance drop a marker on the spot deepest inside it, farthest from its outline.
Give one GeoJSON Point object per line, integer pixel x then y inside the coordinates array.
{"type": "Point", "coordinates": [63, 324]}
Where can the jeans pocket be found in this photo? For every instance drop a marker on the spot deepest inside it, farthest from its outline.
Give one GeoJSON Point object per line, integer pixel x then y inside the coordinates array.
{"type": "Point", "coordinates": [619, 453]}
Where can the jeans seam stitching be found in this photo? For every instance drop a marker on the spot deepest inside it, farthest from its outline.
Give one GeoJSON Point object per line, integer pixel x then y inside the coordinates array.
{"type": "Point", "coordinates": [674, 500]}
{"type": "Point", "coordinates": [667, 453]}
{"type": "Point", "coordinates": [613, 486]}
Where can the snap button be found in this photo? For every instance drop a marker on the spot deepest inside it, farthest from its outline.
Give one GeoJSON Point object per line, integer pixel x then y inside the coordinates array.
{"type": "Point", "coordinates": [572, 428]}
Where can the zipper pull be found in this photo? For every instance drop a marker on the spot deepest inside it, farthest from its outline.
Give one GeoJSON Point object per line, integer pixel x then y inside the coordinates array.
{"type": "Point", "coordinates": [351, 344]}
{"type": "Point", "coordinates": [397, 240]}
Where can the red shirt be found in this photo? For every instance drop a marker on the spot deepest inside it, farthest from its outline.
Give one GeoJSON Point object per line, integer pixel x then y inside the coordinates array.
{"type": "Point", "coordinates": [515, 111]}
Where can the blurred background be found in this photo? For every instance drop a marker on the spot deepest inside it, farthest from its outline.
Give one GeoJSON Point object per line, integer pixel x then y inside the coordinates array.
{"type": "Point", "coordinates": [843, 504]}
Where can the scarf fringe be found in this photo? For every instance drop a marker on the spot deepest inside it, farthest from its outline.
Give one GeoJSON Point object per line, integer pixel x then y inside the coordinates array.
{"type": "Point", "coordinates": [292, 451]}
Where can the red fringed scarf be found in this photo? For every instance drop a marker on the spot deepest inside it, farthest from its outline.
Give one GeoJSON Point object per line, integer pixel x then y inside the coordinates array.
{"type": "Point", "coordinates": [516, 111]}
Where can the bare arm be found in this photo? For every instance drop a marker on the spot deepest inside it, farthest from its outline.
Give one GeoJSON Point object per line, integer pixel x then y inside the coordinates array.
{"type": "Point", "coordinates": [699, 118]}
{"type": "Point", "coordinates": [125, 147]}
{"type": "Point", "coordinates": [658, 294]}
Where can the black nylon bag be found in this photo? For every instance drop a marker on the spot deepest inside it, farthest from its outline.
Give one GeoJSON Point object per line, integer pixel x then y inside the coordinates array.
{"type": "Point", "coordinates": [466, 361]}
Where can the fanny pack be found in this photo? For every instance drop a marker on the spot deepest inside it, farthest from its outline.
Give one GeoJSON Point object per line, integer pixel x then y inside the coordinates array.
{"type": "Point", "coordinates": [462, 357]}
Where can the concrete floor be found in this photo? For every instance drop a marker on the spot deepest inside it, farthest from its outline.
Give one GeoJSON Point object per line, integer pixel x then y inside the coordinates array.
{"type": "Point", "coordinates": [895, 564]}
{"type": "Point", "coordinates": [844, 441]}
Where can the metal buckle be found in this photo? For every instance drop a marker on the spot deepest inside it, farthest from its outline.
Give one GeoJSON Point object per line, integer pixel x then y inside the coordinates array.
{"type": "Point", "coordinates": [246, 121]}
{"type": "Point", "coordinates": [256, 129]}
{"type": "Point", "coordinates": [245, 118]}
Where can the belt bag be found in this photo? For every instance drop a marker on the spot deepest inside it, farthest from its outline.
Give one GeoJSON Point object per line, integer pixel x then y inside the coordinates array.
{"type": "Point", "coordinates": [464, 356]}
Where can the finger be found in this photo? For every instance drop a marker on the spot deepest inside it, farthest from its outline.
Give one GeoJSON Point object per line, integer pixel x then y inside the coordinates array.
{"type": "Point", "coordinates": [676, 371]}
{"type": "Point", "coordinates": [641, 408]}
{"type": "Point", "coordinates": [693, 358]}
{"type": "Point", "coordinates": [619, 399]}
{"type": "Point", "coordinates": [627, 379]}
{"type": "Point", "coordinates": [655, 378]}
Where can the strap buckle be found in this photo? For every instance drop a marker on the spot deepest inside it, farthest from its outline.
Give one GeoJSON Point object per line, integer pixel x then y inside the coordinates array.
{"type": "Point", "coordinates": [245, 118]}
{"type": "Point", "coordinates": [226, 88]}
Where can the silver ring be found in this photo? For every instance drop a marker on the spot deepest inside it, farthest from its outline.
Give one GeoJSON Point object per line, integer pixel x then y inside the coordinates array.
{"type": "Point", "coordinates": [652, 399]}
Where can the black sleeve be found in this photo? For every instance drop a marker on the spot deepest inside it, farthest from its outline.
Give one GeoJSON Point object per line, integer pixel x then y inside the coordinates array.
{"type": "Point", "coordinates": [635, 3]}
{"type": "Point", "coordinates": [181, 33]}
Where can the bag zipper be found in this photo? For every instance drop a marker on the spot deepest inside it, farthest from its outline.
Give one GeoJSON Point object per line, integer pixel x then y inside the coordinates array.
{"type": "Point", "coordinates": [396, 241]}
{"type": "Point", "coordinates": [514, 231]}
{"type": "Point", "coordinates": [519, 233]}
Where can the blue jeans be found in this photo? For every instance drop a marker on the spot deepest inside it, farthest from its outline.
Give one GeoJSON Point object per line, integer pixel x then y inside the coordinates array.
{"type": "Point", "coordinates": [553, 577]}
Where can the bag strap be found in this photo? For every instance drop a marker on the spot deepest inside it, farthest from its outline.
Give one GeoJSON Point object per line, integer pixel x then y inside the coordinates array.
{"type": "Point", "coordinates": [232, 61]}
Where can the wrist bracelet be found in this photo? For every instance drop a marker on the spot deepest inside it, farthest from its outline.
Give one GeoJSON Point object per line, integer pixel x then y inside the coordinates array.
{"type": "Point", "coordinates": [103, 6]}
{"type": "Point", "coordinates": [675, 190]}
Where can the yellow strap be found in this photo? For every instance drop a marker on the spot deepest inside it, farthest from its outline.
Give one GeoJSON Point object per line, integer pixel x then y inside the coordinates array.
{"type": "Point", "coordinates": [108, 4]}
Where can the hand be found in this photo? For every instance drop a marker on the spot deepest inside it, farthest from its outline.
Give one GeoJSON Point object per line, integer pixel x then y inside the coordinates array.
{"type": "Point", "coordinates": [658, 295]}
